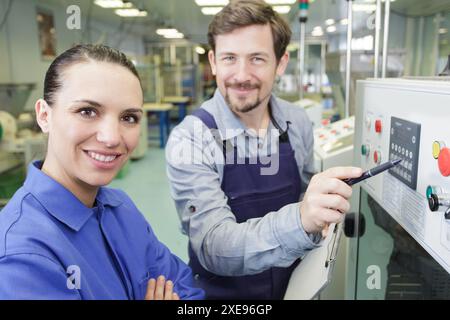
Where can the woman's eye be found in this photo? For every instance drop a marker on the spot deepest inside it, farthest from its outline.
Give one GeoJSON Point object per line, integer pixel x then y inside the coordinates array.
{"type": "Point", "coordinates": [88, 112]}
{"type": "Point", "coordinates": [131, 119]}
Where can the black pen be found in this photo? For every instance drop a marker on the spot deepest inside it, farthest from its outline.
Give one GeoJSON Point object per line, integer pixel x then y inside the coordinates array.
{"type": "Point", "coordinates": [372, 172]}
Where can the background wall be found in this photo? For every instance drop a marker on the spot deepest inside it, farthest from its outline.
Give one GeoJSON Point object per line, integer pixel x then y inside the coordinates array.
{"type": "Point", "coordinates": [20, 57]}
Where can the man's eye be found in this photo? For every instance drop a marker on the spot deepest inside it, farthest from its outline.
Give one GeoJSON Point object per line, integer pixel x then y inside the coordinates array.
{"type": "Point", "coordinates": [87, 112]}
{"type": "Point", "coordinates": [228, 58]}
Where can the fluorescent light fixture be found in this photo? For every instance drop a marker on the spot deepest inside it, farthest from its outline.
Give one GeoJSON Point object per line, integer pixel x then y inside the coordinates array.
{"type": "Point", "coordinates": [344, 22]}
{"type": "Point", "coordinates": [113, 4]}
{"type": "Point", "coordinates": [331, 29]}
{"type": "Point", "coordinates": [274, 2]}
{"type": "Point", "coordinates": [317, 28]}
{"type": "Point", "coordinates": [329, 22]}
{"type": "Point", "coordinates": [163, 32]}
{"type": "Point", "coordinates": [174, 36]}
{"type": "Point", "coordinates": [365, 43]}
{"type": "Point", "coordinates": [200, 50]}
{"type": "Point", "coordinates": [130, 12]}
{"type": "Point", "coordinates": [211, 10]}
{"type": "Point", "coordinates": [282, 9]}
{"type": "Point", "coordinates": [443, 30]}
{"type": "Point", "coordinates": [364, 7]}
{"type": "Point", "coordinates": [211, 2]}
{"type": "Point", "coordinates": [317, 33]}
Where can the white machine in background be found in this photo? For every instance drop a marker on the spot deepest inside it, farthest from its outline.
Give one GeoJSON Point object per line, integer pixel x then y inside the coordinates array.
{"type": "Point", "coordinates": [20, 141]}
{"type": "Point", "coordinates": [333, 144]}
{"type": "Point", "coordinates": [404, 252]}
{"type": "Point", "coordinates": [333, 147]}
{"type": "Point", "coordinates": [313, 110]}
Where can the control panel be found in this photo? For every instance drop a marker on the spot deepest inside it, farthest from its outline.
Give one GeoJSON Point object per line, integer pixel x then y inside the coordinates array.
{"type": "Point", "coordinates": [404, 144]}
{"type": "Point", "coordinates": [408, 119]}
{"type": "Point", "coordinates": [333, 144]}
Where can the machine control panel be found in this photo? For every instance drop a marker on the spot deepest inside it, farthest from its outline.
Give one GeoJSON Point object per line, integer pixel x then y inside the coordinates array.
{"type": "Point", "coordinates": [404, 144]}
{"type": "Point", "coordinates": [408, 119]}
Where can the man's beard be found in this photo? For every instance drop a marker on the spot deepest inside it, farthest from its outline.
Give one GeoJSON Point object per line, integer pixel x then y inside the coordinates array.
{"type": "Point", "coordinates": [247, 107]}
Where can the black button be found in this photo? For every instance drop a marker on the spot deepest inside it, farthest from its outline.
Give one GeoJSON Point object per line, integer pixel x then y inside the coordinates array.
{"type": "Point", "coordinates": [192, 209]}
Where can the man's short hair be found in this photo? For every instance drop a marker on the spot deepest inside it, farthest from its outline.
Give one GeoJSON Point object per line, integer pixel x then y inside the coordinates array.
{"type": "Point", "coordinates": [243, 13]}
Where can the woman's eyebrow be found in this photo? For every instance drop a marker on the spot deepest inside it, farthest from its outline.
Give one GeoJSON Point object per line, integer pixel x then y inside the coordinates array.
{"type": "Point", "coordinates": [134, 110]}
{"type": "Point", "coordinates": [93, 103]}
{"type": "Point", "coordinates": [98, 105]}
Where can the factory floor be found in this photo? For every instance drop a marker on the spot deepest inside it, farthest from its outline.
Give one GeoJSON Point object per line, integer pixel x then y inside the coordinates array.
{"type": "Point", "coordinates": [147, 185]}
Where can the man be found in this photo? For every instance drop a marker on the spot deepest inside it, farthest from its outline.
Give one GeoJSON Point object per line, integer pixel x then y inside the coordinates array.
{"type": "Point", "coordinates": [240, 164]}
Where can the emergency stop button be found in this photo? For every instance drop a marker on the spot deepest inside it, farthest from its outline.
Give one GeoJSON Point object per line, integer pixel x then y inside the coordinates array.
{"type": "Point", "coordinates": [444, 162]}
{"type": "Point", "coordinates": [378, 126]}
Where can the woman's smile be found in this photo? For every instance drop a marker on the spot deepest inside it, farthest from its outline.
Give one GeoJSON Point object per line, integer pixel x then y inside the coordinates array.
{"type": "Point", "coordinates": [104, 159]}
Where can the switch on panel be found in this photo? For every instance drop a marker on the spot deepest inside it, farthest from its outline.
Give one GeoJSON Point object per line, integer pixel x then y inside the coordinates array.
{"type": "Point", "coordinates": [444, 162]}
{"type": "Point", "coordinates": [377, 157]}
{"type": "Point", "coordinates": [378, 126]}
{"type": "Point", "coordinates": [365, 150]}
{"type": "Point", "coordinates": [438, 200]}
{"type": "Point", "coordinates": [442, 154]}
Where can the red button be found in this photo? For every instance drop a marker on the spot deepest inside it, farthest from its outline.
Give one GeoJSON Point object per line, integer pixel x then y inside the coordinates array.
{"type": "Point", "coordinates": [378, 126]}
{"type": "Point", "coordinates": [377, 157]}
{"type": "Point", "coordinates": [444, 162]}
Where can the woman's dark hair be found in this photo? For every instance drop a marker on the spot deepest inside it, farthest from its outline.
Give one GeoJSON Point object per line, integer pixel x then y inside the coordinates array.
{"type": "Point", "coordinates": [77, 54]}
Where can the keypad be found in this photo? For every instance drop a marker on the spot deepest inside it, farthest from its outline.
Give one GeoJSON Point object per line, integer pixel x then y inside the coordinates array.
{"type": "Point", "coordinates": [405, 142]}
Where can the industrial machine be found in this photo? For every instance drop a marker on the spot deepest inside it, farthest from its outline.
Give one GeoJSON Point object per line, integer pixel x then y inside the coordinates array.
{"type": "Point", "coordinates": [313, 109]}
{"type": "Point", "coordinates": [401, 244]}
{"type": "Point", "coordinates": [333, 147]}
{"type": "Point", "coordinates": [20, 141]}
{"type": "Point", "coordinates": [333, 144]}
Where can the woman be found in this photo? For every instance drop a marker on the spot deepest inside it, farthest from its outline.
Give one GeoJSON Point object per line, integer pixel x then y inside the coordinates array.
{"type": "Point", "coordinates": [65, 236]}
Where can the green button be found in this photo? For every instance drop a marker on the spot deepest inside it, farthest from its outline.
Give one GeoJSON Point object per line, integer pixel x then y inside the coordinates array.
{"type": "Point", "coordinates": [429, 191]}
{"type": "Point", "coordinates": [363, 149]}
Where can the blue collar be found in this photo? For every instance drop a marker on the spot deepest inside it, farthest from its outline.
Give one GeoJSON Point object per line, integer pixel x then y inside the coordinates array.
{"type": "Point", "coordinates": [60, 202]}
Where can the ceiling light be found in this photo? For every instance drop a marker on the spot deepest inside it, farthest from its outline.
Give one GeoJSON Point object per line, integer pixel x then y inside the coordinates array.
{"type": "Point", "coordinates": [281, 1]}
{"type": "Point", "coordinates": [211, 10]}
{"type": "Point", "coordinates": [165, 31]}
{"type": "Point", "coordinates": [211, 2]}
{"type": "Point", "coordinates": [113, 4]}
{"type": "Point", "coordinates": [364, 7]}
{"type": "Point", "coordinates": [200, 50]}
{"type": "Point", "coordinates": [131, 12]}
{"type": "Point", "coordinates": [443, 30]}
{"type": "Point", "coordinates": [282, 9]}
{"type": "Point", "coordinates": [344, 22]}
{"type": "Point", "coordinates": [317, 33]}
{"type": "Point", "coordinates": [174, 36]}
{"type": "Point", "coordinates": [331, 29]}
{"type": "Point", "coordinates": [329, 22]}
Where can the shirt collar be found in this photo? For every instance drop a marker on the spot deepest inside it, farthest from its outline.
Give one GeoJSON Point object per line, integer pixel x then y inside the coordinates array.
{"type": "Point", "coordinates": [230, 126]}
{"type": "Point", "coordinates": [60, 202]}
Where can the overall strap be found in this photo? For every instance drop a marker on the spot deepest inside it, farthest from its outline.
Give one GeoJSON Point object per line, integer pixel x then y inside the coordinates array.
{"type": "Point", "coordinates": [206, 118]}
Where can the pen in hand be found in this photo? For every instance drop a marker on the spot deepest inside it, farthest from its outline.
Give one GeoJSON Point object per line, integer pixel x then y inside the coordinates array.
{"type": "Point", "coordinates": [372, 172]}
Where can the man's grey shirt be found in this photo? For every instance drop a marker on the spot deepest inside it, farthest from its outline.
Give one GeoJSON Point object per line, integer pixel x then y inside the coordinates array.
{"type": "Point", "coordinates": [195, 166]}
